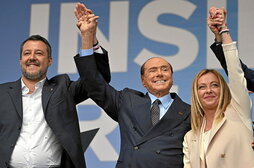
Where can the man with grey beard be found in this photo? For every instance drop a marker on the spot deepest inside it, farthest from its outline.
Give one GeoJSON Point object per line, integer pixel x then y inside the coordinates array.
{"type": "Point", "coordinates": [38, 119]}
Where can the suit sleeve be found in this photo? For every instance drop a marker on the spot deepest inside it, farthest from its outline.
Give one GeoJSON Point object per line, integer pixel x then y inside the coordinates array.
{"type": "Point", "coordinates": [77, 88]}
{"type": "Point", "coordinates": [102, 63]}
{"type": "Point", "coordinates": [237, 84]}
{"type": "Point", "coordinates": [248, 73]}
{"type": "Point", "coordinates": [97, 87]}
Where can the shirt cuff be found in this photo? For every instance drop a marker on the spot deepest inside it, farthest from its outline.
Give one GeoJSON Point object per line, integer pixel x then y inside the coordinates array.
{"type": "Point", "coordinates": [230, 46]}
{"type": "Point", "coordinates": [85, 52]}
{"type": "Point", "coordinates": [97, 48]}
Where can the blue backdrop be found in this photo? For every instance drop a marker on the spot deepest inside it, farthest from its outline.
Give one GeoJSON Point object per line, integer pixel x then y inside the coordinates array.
{"type": "Point", "coordinates": [131, 31]}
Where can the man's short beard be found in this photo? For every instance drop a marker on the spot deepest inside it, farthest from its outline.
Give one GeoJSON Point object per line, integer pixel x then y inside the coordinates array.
{"type": "Point", "coordinates": [34, 77]}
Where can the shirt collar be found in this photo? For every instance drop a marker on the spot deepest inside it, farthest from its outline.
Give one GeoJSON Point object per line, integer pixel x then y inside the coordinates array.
{"type": "Point", "coordinates": [25, 89]}
{"type": "Point", "coordinates": [165, 100]}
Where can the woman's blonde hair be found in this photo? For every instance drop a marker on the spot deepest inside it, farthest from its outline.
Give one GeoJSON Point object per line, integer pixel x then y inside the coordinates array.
{"type": "Point", "coordinates": [197, 112]}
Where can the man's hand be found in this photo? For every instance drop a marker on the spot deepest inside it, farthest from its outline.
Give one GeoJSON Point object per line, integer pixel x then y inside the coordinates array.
{"type": "Point", "coordinates": [87, 24]}
{"type": "Point", "coordinates": [81, 10]}
{"type": "Point", "coordinates": [216, 21]}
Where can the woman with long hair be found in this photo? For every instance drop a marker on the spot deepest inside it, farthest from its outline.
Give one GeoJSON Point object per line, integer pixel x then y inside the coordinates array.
{"type": "Point", "coordinates": [221, 133]}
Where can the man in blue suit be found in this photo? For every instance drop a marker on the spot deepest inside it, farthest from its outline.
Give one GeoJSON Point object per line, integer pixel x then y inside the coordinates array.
{"type": "Point", "coordinates": [145, 142]}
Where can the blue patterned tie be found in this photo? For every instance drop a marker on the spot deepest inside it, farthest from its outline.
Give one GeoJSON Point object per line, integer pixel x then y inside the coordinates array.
{"type": "Point", "coordinates": [155, 111]}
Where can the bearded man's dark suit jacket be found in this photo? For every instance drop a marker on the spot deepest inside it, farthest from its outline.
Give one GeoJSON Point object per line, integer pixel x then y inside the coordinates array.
{"type": "Point", "coordinates": [248, 73]}
{"type": "Point", "coordinates": [60, 96]}
{"type": "Point", "coordinates": [142, 146]}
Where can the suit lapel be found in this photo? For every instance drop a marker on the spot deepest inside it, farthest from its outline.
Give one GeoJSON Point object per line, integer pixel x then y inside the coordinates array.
{"type": "Point", "coordinates": [173, 117]}
{"type": "Point", "coordinates": [142, 115]}
{"type": "Point", "coordinates": [47, 90]}
{"type": "Point", "coordinates": [214, 131]}
{"type": "Point", "coordinates": [15, 93]}
{"type": "Point", "coordinates": [200, 145]}
{"type": "Point", "coordinates": [16, 96]}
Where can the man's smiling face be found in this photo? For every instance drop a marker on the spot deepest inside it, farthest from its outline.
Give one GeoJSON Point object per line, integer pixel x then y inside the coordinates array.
{"type": "Point", "coordinates": [34, 60]}
{"type": "Point", "coordinates": [157, 77]}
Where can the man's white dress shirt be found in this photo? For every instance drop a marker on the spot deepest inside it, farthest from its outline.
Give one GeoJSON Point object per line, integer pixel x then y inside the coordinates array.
{"type": "Point", "coordinates": [37, 146]}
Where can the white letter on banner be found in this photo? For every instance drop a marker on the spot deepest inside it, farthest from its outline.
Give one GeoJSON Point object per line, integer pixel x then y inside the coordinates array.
{"type": "Point", "coordinates": [152, 29]}
{"type": "Point", "coordinates": [211, 60]}
{"type": "Point", "coordinates": [68, 45]}
{"type": "Point", "coordinates": [245, 31]}
{"type": "Point", "coordinates": [68, 39]}
{"type": "Point", "coordinates": [39, 22]}
{"type": "Point", "coordinates": [117, 43]}
{"type": "Point", "coordinates": [100, 143]}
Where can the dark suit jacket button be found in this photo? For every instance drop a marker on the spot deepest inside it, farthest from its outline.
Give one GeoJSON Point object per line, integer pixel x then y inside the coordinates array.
{"type": "Point", "coordinates": [12, 145]}
{"type": "Point", "coordinates": [19, 127]}
{"type": "Point", "coordinates": [158, 151]}
{"type": "Point", "coordinates": [136, 147]}
{"type": "Point", "coordinates": [171, 133]}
